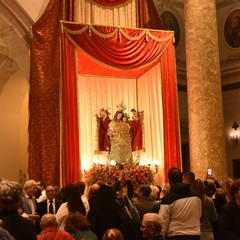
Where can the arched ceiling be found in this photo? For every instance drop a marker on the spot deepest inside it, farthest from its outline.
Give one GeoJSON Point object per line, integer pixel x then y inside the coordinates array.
{"type": "Point", "coordinates": [14, 28]}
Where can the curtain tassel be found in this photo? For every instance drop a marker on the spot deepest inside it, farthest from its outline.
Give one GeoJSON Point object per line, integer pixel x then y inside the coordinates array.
{"type": "Point", "coordinates": [119, 34]}
{"type": "Point", "coordinates": [89, 31]}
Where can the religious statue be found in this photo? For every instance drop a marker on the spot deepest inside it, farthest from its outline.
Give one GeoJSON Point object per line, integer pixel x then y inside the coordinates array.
{"type": "Point", "coordinates": [102, 121]}
{"type": "Point", "coordinates": [120, 136]}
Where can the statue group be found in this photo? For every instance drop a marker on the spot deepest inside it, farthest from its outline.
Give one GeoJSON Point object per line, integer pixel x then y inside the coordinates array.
{"type": "Point", "coordinates": [120, 136]}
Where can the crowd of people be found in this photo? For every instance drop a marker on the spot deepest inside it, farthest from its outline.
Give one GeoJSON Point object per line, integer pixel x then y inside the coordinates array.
{"type": "Point", "coordinates": [184, 209]}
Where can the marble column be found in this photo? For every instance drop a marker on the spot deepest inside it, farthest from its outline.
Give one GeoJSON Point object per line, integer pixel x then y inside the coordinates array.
{"type": "Point", "coordinates": [206, 126]}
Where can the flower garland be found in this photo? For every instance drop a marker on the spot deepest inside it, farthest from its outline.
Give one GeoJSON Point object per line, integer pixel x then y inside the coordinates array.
{"type": "Point", "coordinates": [106, 173]}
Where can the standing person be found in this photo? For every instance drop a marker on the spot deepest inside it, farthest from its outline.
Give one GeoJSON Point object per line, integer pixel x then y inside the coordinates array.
{"type": "Point", "coordinates": [209, 213]}
{"type": "Point", "coordinates": [42, 191]}
{"type": "Point", "coordinates": [188, 177]}
{"type": "Point", "coordinates": [104, 213]}
{"type": "Point", "coordinates": [120, 136]}
{"type": "Point", "coordinates": [226, 185]}
{"type": "Point", "coordinates": [129, 218]}
{"type": "Point", "coordinates": [51, 204]}
{"type": "Point", "coordinates": [29, 205]}
{"type": "Point", "coordinates": [230, 215]}
{"type": "Point", "coordinates": [49, 229]}
{"type": "Point", "coordinates": [103, 120]}
{"type": "Point", "coordinates": [74, 203]}
{"type": "Point", "coordinates": [180, 210]}
{"type": "Point", "coordinates": [219, 201]}
{"type": "Point", "coordinates": [10, 200]}
{"type": "Point", "coordinates": [144, 203]}
{"type": "Point", "coordinates": [81, 185]}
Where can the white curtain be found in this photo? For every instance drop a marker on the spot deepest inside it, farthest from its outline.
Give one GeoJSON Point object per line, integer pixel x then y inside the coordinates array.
{"type": "Point", "coordinates": [95, 92]}
{"type": "Point", "coordinates": [150, 100]}
{"type": "Point", "coordinates": [124, 15]}
{"type": "Point", "coordinates": [143, 94]}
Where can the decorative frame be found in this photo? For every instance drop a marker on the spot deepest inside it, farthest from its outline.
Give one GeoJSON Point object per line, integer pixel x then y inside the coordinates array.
{"type": "Point", "coordinates": [170, 22]}
{"type": "Point", "coordinates": [232, 29]}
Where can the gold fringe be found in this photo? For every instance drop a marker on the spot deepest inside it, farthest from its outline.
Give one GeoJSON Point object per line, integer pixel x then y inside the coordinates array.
{"type": "Point", "coordinates": [119, 30]}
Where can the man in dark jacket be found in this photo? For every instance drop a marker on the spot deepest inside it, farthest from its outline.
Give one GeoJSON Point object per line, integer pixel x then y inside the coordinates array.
{"type": "Point", "coordinates": [51, 204]}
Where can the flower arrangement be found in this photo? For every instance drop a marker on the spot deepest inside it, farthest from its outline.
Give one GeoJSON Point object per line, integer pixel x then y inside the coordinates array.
{"type": "Point", "coordinates": [108, 174]}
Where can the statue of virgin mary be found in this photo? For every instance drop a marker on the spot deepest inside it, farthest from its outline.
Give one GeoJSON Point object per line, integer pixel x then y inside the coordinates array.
{"type": "Point", "coordinates": [120, 136]}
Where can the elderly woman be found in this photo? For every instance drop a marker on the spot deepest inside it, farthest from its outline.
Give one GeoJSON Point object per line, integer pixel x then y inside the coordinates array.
{"type": "Point", "coordinates": [11, 194]}
{"type": "Point", "coordinates": [230, 215]}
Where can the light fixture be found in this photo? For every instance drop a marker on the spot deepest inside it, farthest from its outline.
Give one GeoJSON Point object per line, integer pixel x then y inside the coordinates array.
{"type": "Point", "coordinates": [112, 163]}
{"type": "Point", "coordinates": [234, 136]}
{"type": "Point", "coordinates": [154, 165]}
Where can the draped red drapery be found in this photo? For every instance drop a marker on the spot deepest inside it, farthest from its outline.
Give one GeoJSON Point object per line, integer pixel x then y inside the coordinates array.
{"type": "Point", "coordinates": [126, 49]}
{"type": "Point", "coordinates": [110, 2]}
{"type": "Point", "coordinates": [44, 112]}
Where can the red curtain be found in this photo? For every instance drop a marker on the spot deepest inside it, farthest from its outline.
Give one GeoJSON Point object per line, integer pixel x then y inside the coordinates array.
{"type": "Point", "coordinates": [44, 112]}
{"type": "Point", "coordinates": [170, 109]}
{"type": "Point", "coordinates": [135, 51]}
{"type": "Point", "coordinates": [71, 160]}
{"type": "Point", "coordinates": [110, 2]}
{"type": "Point", "coordinates": [129, 49]}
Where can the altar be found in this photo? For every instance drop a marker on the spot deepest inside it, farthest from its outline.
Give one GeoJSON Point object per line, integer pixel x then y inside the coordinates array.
{"type": "Point", "coordinates": [102, 66]}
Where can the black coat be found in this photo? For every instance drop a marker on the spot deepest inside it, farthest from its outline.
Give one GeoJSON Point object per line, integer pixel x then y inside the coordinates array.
{"type": "Point", "coordinates": [230, 221]}
{"type": "Point", "coordinates": [19, 227]}
{"type": "Point", "coordinates": [42, 207]}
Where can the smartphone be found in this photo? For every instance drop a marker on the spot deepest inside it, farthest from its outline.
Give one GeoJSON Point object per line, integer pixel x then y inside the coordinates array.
{"type": "Point", "coordinates": [209, 173]}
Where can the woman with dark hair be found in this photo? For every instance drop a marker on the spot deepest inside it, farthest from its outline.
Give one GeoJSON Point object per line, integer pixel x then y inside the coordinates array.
{"type": "Point", "coordinates": [209, 213]}
{"type": "Point", "coordinates": [79, 227]}
{"type": "Point", "coordinates": [74, 203]}
{"type": "Point", "coordinates": [119, 132]}
{"type": "Point", "coordinates": [105, 213]}
{"type": "Point", "coordinates": [219, 201]}
{"type": "Point", "coordinates": [230, 215]}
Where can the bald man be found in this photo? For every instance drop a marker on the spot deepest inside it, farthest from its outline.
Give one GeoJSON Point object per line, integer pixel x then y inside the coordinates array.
{"type": "Point", "coordinates": [49, 231]}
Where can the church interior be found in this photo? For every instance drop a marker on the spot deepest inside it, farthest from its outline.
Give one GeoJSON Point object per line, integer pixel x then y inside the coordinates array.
{"type": "Point", "coordinates": [208, 85]}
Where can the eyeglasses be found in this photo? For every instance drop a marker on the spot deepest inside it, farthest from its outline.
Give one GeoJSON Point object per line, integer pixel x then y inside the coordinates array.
{"type": "Point", "coordinates": [143, 227]}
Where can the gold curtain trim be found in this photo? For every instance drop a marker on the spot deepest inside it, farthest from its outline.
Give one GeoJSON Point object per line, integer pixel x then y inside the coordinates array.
{"type": "Point", "coordinates": [109, 66]}
{"type": "Point", "coordinates": [118, 30]}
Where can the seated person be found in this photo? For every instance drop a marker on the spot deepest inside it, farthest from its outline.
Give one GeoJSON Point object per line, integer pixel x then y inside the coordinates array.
{"type": "Point", "coordinates": [49, 231]}
{"type": "Point", "coordinates": [151, 226]}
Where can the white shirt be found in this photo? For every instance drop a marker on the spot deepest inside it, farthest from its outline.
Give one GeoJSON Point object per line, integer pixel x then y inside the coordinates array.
{"type": "Point", "coordinates": [42, 197]}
